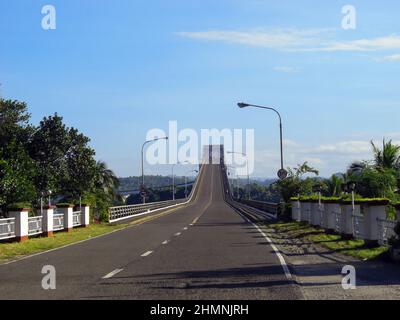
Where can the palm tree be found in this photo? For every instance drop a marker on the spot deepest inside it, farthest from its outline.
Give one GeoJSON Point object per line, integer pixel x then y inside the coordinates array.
{"type": "Point", "coordinates": [388, 157]}
{"type": "Point", "coordinates": [334, 185]}
{"type": "Point", "coordinates": [106, 179]}
{"type": "Point", "coordinates": [357, 167]}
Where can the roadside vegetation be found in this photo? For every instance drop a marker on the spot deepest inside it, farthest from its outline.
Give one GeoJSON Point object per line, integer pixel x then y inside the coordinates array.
{"type": "Point", "coordinates": [15, 250]}
{"type": "Point", "coordinates": [49, 159]}
{"type": "Point", "coordinates": [334, 242]}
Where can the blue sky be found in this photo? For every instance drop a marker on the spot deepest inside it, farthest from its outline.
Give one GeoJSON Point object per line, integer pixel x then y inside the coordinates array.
{"type": "Point", "coordinates": [116, 69]}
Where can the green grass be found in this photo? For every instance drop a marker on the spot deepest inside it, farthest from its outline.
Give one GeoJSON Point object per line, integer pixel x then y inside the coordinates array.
{"type": "Point", "coordinates": [334, 242]}
{"type": "Point", "coordinates": [15, 250]}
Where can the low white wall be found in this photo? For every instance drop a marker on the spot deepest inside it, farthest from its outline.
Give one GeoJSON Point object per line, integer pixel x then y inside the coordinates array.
{"type": "Point", "coordinates": [305, 211]}
{"type": "Point", "coordinates": [316, 214]}
{"type": "Point", "coordinates": [347, 218]}
{"type": "Point", "coordinates": [296, 211]}
{"type": "Point", "coordinates": [330, 215]}
{"type": "Point", "coordinates": [371, 214]}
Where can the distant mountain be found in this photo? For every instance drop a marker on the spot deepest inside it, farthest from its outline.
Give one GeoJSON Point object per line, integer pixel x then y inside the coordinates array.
{"type": "Point", "coordinates": [133, 183]}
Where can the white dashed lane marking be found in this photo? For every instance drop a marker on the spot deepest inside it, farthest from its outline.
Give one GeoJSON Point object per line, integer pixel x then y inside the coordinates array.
{"type": "Point", "coordinates": [112, 273]}
{"type": "Point", "coordinates": [146, 253]}
{"type": "Point", "coordinates": [165, 242]}
{"type": "Point", "coordinates": [177, 234]}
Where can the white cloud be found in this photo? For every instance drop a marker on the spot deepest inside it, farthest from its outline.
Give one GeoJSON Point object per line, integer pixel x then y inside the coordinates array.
{"type": "Point", "coordinates": [287, 69]}
{"type": "Point", "coordinates": [327, 158]}
{"type": "Point", "coordinates": [345, 147]}
{"type": "Point", "coordinates": [295, 39]}
{"type": "Point", "coordinates": [392, 58]}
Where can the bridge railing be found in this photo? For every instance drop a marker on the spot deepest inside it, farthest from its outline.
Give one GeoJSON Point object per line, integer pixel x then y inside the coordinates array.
{"type": "Point", "coordinates": [7, 228]}
{"type": "Point", "coordinates": [35, 225]}
{"type": "Point", "coordinates": [273, 208]}
{"type": "Point", "coordinates": [123, 212]}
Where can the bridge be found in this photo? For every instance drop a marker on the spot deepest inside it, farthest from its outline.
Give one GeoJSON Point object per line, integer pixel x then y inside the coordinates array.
{"type": "Point", "coordinates": [205, 247]}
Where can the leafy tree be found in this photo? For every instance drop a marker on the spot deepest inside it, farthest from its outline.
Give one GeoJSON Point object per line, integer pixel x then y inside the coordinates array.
{"type": "Point", "coordinates": [373, 183]}
{"type": "Point", "coordinates": [333, 186]}
{"type": "Point", "coordinates": [16, 177]}
{"type": "Point", "coordinates": [388, 157]}
{"type": "Point", "coordinates": [14, 124]}
{"type": "Point", "coordinates": [49, 146]}
{"type": "Point", "coordinates": [295, 183]}
{"type": "Point", "coordinates": [80, 166]}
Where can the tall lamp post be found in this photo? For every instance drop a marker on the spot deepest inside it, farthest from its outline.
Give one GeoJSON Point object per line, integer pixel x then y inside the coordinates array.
{"type": "Point", "coordinates": [282, 173]}
{"type": "Point", "coordinates": [233, 184]}
{"type": "Point", "coordinates": [248, 175]}
{"type": "Point", "coordinates": [144, 144]}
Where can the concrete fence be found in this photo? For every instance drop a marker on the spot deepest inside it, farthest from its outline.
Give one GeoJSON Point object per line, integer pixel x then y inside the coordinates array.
{"type": "Point", "coordinates": [19, 226]}
{"type": "Point", "coordinates": [367, 221]}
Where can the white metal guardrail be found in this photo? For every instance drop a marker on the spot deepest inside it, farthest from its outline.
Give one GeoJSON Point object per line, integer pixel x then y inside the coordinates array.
{"type": "Point", "coordinates": [35, 225]}
{"type": "Point", "coordinates": [58, 221]}
{"type": "Point", "coordinates": [386, 230]}
{"type": "Point", "coordinates": [76, 218]}
{"type": "Point", "coordinates": [7, 228]}
{"type": "Point", "coordinates": [125, 212]}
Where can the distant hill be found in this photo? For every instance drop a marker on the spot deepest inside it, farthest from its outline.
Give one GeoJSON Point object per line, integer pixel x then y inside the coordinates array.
{"type": "Point", "coordinates": [154, 182]}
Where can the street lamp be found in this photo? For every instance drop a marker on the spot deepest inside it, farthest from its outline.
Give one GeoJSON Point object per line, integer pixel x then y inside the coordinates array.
{"type": "Point", "coordinates": [190, 171]}
{"type": "Point", "coordinates": [248, 175]}
{"type": "Point", "coordinates": [146, 142]}
{"type": "Point", "coordinates": [282, 173]}
{"type": "Point", "coordinates": [233, 184]}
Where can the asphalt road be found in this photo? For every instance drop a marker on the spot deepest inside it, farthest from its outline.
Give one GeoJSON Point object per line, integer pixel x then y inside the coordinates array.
{"type": "Point", "coordinates": [204, 250]}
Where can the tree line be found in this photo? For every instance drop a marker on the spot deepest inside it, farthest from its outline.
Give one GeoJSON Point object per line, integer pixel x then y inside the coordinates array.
{"type": "Point", "coordinates": [374, 178]}
{"type": "Point", "coordinates": [49, 159]}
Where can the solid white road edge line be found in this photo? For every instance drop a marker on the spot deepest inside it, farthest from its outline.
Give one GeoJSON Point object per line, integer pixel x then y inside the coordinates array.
{"type": "Point", "coordinates": [112, 273]}
{"type": "Point", "coordinates": [146, 253]}
{"type": "Point", "coordinates": [276, 250]}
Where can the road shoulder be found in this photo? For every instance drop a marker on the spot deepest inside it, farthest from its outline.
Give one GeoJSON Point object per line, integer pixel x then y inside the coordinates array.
{"type": "Point", "coordinates": [317, 270]}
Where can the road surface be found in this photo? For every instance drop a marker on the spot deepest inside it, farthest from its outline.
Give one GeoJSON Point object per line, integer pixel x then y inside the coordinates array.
{"type": "Point", "coordinates": [204, 250]}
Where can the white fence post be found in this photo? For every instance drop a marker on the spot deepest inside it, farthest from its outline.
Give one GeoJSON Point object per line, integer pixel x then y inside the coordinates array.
{"type": "Point", "coordinates": [48, 222]}
{"type": "Point", "coordinates": [21, 223]}
{"type": "Point", "coordinates": [67, 211]}
{"type": "Point", "coordinates": [85, 215]}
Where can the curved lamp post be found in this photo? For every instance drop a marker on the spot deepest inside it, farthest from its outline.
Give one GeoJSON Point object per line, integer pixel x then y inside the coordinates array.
{"type": "Point", "coordinates": [146, 142]}
{"type": "Point", "coordinates": [282, 172]}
